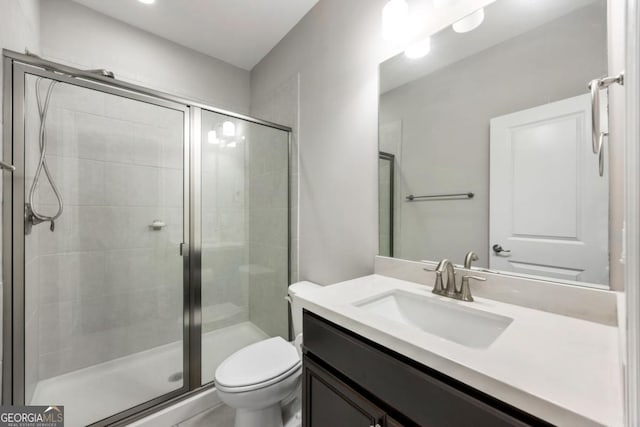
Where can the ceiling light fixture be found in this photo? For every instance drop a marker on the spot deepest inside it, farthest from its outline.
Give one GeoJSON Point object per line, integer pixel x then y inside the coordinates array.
{"type": "Point", "coordinates": [147, 1]}
{"type": "Point", "coordinates": [469, 22]}
{"type": "Point", "coordinates": [395, 17]}
{"type": "Point", "coordinates": [418, 49]}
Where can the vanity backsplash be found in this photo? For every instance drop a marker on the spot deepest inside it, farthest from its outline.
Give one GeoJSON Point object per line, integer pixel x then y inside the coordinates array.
{"type": "Point", "coordinates": [595, 305]}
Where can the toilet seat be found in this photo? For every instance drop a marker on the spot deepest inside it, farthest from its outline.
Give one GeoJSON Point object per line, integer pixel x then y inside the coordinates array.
{"type": "Point", "coordinates": [257, 366]}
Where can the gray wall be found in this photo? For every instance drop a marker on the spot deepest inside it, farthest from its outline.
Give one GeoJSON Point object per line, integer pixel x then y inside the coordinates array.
{"type": "Point", "coordinates": [445, 126]}
{"type": "Point", "coordinates": [78, 36]}
{"type": "Point", "coordinates": [335, 49]}
{"type": "Point", "coordinates": [334, 53]}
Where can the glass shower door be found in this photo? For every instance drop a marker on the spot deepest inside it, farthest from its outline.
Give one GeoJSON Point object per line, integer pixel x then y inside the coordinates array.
{"type": "Point", "coordinates": [245, 236]}
{"type": "Point", "coordinates": [104, 199]}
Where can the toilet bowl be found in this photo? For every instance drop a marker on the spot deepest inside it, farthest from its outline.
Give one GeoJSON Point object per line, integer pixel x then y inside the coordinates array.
{"type": "Point", "coordinates": [257, 378]}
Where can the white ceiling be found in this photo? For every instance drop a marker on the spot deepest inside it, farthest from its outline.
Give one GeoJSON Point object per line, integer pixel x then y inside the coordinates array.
{"type": "Point", "coordinates": [240, 32]}
{"type": "Point", "coordinates": [504, 20]}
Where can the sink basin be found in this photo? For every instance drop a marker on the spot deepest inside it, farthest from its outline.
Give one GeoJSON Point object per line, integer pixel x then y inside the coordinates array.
{"type": "Point", "coordinates": [449, 320]}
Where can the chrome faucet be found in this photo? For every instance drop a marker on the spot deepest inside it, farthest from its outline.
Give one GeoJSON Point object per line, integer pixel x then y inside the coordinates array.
{"type": "Point", "coordinates": [451, 290]}
{"type": "Point", "coordinates": [439, 289]}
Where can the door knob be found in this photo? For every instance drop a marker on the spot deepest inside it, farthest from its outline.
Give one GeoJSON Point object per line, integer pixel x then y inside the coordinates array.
{"type": "Point", "coordinates": [498, 250]}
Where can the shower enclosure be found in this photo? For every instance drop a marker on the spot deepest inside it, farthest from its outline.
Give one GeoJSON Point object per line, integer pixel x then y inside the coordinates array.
{"type": "Point", "coordinates": [145, 239]}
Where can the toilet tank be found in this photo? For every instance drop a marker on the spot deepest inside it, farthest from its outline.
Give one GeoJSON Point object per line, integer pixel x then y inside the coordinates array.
{"type": "Point", "coordinates": [296, 290]}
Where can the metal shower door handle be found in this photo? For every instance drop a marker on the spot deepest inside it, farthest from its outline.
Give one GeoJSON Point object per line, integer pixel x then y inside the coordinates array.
{"type": "Point", "coordinates": [7, 167]}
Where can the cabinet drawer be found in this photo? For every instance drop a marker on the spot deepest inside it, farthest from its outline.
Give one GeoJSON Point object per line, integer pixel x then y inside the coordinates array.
{"type": "Point", "coordinates": [416, 392]}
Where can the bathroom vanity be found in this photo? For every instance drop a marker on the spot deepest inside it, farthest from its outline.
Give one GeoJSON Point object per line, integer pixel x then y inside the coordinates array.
{"type": "Point", "coordinates": [383, 351]}
{"type": "Point", "coordinates": [362, 383]}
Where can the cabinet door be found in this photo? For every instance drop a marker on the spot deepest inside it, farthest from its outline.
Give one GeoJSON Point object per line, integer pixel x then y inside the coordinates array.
{"type": "Point", "coordinates": [328, 402]}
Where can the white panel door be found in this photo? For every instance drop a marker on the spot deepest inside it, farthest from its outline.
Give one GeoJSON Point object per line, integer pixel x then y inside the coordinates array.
{"type": "Point", "coordinates": [549, 207]}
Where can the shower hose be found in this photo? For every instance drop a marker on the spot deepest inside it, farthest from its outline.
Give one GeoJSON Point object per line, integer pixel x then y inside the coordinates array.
{"type": "Point", "coordinates": [35, 217]}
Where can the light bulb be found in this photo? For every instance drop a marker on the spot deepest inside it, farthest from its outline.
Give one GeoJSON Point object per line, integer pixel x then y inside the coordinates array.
{"type": "Point", "coordinates": [228, 129]}
{"type": "Point", "coordinates": [469, 22]}
{"type": "Point", "coordinates": [212, 137]}
{"type": "Point", "coordinates": [395, 17]}
{"type": "Point", "coordinates": [147, 1]}
{"type": "Point", "coordinates": [418, 49]}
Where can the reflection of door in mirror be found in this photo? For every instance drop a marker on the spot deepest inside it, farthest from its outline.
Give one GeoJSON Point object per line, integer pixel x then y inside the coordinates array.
{"type": "Point", "coordinates": [385, 190]}
{"type": "Point", "coordinates": [435, 117]}
{"type": "Point", "coordinates": [549, 210]}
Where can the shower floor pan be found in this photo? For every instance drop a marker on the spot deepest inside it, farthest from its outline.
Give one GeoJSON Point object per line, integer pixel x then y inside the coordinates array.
{"type": "Point", "coordinates": [96, 392]}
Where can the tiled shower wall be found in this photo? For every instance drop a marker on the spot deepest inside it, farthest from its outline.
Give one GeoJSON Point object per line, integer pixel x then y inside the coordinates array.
{"type": "Point", "coordinates": [268, 222]}
{"type": "Point", "coordinates": [104, 284]}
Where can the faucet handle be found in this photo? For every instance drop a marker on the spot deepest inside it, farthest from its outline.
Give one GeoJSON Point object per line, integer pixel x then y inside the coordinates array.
{"type": "Point", "coordinates": [465, 291]}
{"type": "Point", "coordinates": [438, 286]}
{"type": "Point", "coordinates": [469, 258]}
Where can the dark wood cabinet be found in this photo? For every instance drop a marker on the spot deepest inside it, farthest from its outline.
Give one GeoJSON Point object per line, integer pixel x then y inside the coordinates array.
{"type": "Point", "coordinates": [330, 402]}
{"type": "Point", "coordinates": [350, 381]}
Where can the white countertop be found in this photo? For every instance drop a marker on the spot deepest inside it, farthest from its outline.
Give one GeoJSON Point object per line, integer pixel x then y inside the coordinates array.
{"type": "Point", "coordinates": [558, 368]}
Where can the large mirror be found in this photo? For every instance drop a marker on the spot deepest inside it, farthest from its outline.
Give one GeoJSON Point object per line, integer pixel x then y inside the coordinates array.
{"type": "Point", "coordinates": [485, 144]}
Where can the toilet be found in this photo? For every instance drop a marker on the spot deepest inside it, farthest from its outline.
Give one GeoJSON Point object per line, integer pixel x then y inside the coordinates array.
{"type": "Point", "coordinates": [257, 378]}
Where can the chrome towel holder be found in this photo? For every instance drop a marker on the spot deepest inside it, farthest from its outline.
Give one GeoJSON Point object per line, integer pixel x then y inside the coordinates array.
{"type": "Point", "coordinates": [454, 196]}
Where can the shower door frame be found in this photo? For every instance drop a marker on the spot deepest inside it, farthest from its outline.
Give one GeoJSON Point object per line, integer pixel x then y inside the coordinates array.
{"type": "Point", "coordinates": [13, 217]}
{"type": "Point", "coordinates": [16, 66]}
{"type": "Point", "coordinates": [391, 158]}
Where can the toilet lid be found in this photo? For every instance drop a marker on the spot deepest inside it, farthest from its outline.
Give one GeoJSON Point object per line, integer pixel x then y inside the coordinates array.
{"type": "Point", "coordinates": [257, 363]}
